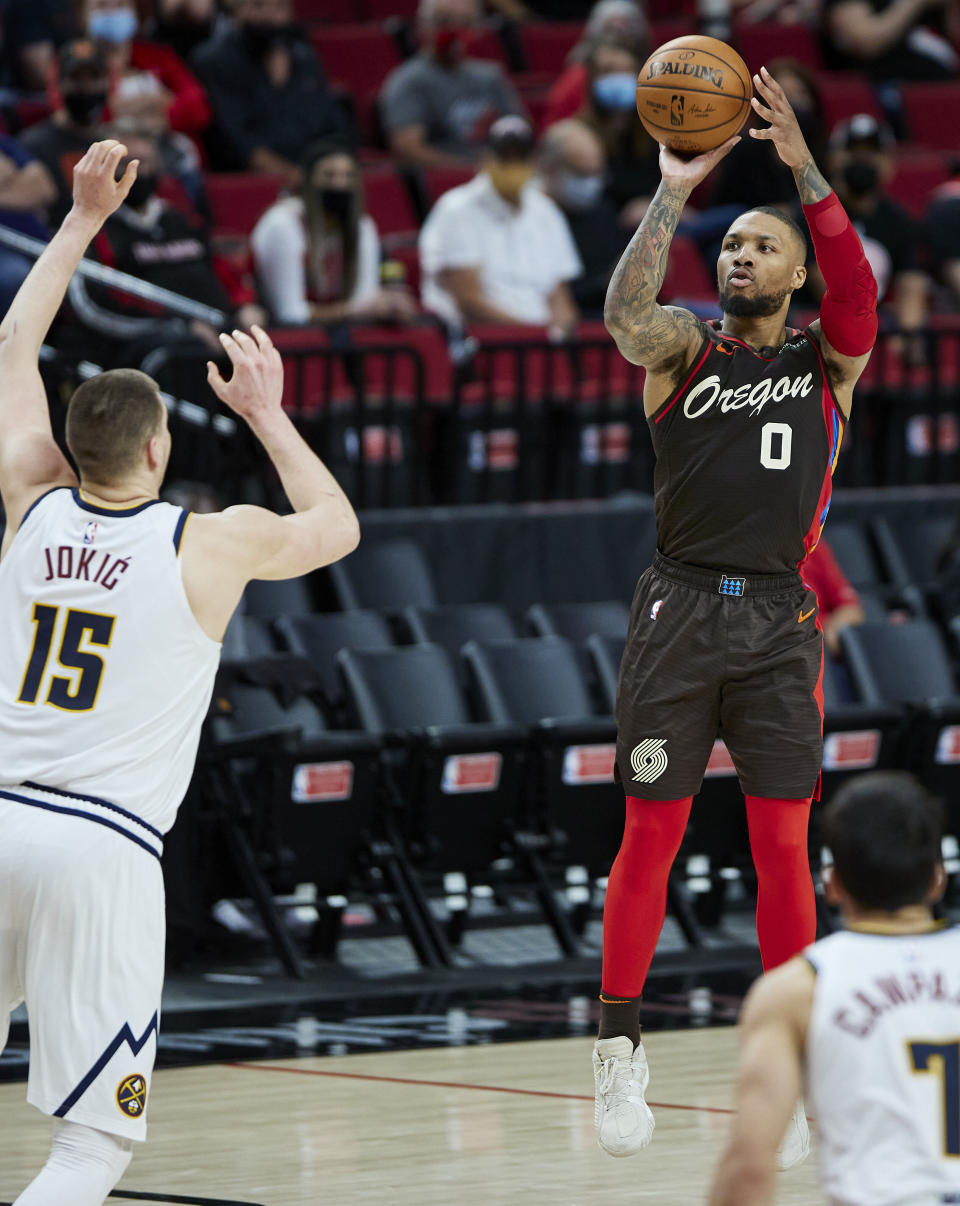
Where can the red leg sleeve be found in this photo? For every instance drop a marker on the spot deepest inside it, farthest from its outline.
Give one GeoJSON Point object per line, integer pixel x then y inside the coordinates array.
{"type": "Point", "coordinates": [786, 907]}
{"type": "Point", "coordinates": [636, 902]}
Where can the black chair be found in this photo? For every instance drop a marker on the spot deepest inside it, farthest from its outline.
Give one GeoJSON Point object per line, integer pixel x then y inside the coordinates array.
{"type": "Point", "coordinates": [247, 636]}
{"type": "Point", "coordinates": [455, 624]}
{"type": "Point", "coordinates": [319, 638]}
{"type": "Point", "coordinates": [457, 782]}
{"type": "Point", "coordinates": [385, 576]}
{"type": "Point", "coordinates": [853, 548]}
{"type": "Point", "coordinates": [912, 549]}
{"type": "Point", "coordinates": [269, 598]}
{"type": "Point", "coordinates": [295, 802]}
{"type": "Point", "coordinates": [908, 665]}
{"type": "Point", "coordinates": [577, 621]}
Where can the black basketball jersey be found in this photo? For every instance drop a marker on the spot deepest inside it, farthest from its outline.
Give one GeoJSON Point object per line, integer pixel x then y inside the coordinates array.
{"type": "Point", "coordinates": [746, 450]}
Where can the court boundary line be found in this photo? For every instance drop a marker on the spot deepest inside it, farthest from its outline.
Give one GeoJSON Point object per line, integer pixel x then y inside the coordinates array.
{"type": "Point", "coordinates": [244, 1065]}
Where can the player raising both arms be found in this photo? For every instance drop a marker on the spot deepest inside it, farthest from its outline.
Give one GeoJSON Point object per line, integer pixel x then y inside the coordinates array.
{"type": "Point", "coordinates": [746, 417]}
{"type": "Point", "coordinates": [113, 609]}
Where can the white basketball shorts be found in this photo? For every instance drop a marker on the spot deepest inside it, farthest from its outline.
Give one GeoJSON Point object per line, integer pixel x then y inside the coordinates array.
{"type": "Point", "coordinates": [82, 942]}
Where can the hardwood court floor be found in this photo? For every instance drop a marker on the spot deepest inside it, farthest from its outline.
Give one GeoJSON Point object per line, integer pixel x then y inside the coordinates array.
{"type": "Point", "coordinates": [504, 1125]}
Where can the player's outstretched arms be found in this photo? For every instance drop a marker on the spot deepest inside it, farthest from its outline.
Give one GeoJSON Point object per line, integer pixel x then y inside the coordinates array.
{"type": "Point", "coordinates": [30, 460]}
{"type": "Point", "coordinates": [659, 337]}
{"type": "Point", "coordinates": [324, 527]}
{"type": "Point", "coordinates": [769, 1084]}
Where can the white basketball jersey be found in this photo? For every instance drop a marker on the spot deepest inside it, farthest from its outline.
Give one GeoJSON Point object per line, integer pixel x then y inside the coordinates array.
{"type": "Point", "coordinates": [105, 674]}
{"type": "Point", "coordinates": [883, 1066]}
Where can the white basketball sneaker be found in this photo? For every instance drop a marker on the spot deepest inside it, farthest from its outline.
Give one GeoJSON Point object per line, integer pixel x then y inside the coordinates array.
{"type": "Point", "coordinates": [795, 1145]}
{"type": "Point", "coordinates": [621, 1117]}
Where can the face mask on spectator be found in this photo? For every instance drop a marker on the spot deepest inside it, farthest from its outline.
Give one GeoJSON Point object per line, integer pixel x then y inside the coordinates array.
{"type": "Point", "coordinates": [617, 91]}
{"type": "Point", "coordinates": [579, 192]}
{"type": "Point", "coordinates": [450, 44]}
{"type": "Point", "coordinates": [336, 201]}
{"type": "Point", "coordinates": [85, 108]}
{"type": "Point", "coordinates": [142, 189]}
{"type": "Point", "coordinates": [509, 178]}
{"type": "Point", "coordinates": [861, 178]}
{"type": "Point", "coordinates": [260, 37]}
{"type": "Point", "coordinates": [116, 26]}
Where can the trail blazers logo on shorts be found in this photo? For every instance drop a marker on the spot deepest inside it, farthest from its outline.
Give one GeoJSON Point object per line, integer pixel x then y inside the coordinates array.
{"type": "Point", "coordinates": [649, 760]}
{"type": "Point", "coordinates": [132, 1095]}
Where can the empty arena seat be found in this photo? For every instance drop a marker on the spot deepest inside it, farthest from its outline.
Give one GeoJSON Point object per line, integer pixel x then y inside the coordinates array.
{"type": "Point", "coordinates": [319, 638]}
{"type": "Point", "coordinates": [546, 44]}
{"type": "Point", "coordinates": [387, 575]}
{"type": "Point", "coordinates": [278, 597]}
{"type": "Point", "coordinates": [853, 548]}
{"type": "Point", "coordinates": [844, 94]}
{"type": "Point", "coordinates": [929, 110]}
{"type": "Point", "coordinates": [915, 178]}
{"type": "Point", "coordinates": [538, 683]}
{"type": "Point", "coordinates": [763, 41]}
{"type": "Point", "coordinates": [239, 199]}
{"type": "Point", "coordinates": [452, 626]}
{"type": "Point", "coordinates": [358, 57]}
{"type": "Point", "coordinates": [388, 200]}
{"type": "Point", "coordinates": [440, 180]}
{"type": "Point", "coordinates": [577, 621]}
{"type": "Point", "coordinates": [912, 547]}
{"type": "Point", "coordinates": [686, 274]}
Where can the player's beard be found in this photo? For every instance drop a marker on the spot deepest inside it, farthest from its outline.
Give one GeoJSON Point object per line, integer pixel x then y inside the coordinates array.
{"type": "Point", "coordinates": [760, 305]}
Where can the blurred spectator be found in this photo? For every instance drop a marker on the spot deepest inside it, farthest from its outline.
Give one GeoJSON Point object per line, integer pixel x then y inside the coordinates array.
{"type": "Point", "coordinates": [269, 94]}
{"type": "Point", "coordinates": [31, 31]}
{"type": "Point", "coordinates": [184, 24]}
{"type": "Point", "coordinates": [839, 603]}
{"type": "Point", "coordinates": [943, 234]}
{"type": "Point", "coordinates": [151, 240]}
{"type": "Point", "coordinates": [437, 107]}
{"type": "Point", "coordinates": [611, 110]}
{"type": "Point", "coordinates": [754, 169]}
{"type": "Point", "coordinates": [497, 249]}
{"type": "Point", "coordinates": [892, 39]}
{"type": "Point", "coordinates": [61, 140]}
{"type": "Point", "coordinates": [860, 163]}
{"type": "Point", "coordinates": [151, 85]}
{"type": "Point", "coordinates": [573, 174]}
{"type": "Point", "coordinates": [619, 21]}
{"type": "Point", "coordinates": [26, 189]}
{"type": "Point", "coordinates": [317, 256]}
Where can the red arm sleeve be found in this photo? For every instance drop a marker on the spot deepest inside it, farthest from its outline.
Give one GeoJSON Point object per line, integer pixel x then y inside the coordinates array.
{"type": "Point", "coordinates": [848, 311]}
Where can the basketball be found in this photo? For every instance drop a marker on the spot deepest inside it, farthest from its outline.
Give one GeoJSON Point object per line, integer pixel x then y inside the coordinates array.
{"type": "Point", "coordinates": [693, 94]}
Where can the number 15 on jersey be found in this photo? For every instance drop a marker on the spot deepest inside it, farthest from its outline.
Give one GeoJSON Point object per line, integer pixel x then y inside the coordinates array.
{"type": "Point", "coordinates": [71, 631]}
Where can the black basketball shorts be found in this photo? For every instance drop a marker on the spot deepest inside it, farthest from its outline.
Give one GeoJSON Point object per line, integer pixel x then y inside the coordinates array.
{"type": "Point", "coordinates": [720, 655]}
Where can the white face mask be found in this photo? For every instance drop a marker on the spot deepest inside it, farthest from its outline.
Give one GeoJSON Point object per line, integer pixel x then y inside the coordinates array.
{"type": "Point", "coordinates": [579, 192]}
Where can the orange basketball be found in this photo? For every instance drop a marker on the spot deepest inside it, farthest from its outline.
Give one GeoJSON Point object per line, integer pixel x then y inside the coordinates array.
{"type": "Point", "coordinates": [694, 93]}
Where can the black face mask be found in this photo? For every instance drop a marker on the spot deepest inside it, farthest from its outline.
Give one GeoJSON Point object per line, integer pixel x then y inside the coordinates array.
{"type": "Point", "coordinates": [142, 190]}
{"type": "Point", "coordinates": [260, 38]}
{"type": "Point", "coordinates": [336, 201]}
{"type": "Point", "coordinates": [861, 178]}
{"type": "Point", "coordinates": [85, 108]}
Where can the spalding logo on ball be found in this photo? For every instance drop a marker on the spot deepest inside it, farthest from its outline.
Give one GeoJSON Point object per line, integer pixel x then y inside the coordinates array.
{"type": "Point", "coordinates": [694, 93]}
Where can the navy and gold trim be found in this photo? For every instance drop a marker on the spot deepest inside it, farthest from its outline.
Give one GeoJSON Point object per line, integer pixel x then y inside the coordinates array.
{"type": "Point", "coordinates": [179, 529]}
{"type": "Point", "coordinates": [37, 501]}
{"type": "Point", "coordinates": [125, 1035]}
{"type": "Point", "coordinates": [154, 847]}
{"type": "Point", "coordinates": [114, 512]}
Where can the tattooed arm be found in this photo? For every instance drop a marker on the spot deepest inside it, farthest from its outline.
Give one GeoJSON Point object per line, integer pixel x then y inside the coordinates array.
{"type": "Point", "coordinates": [662, 338]}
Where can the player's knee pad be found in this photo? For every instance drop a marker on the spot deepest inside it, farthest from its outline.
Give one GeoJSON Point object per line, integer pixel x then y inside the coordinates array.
{"type": "Point", "coordinates": [82, 1149]}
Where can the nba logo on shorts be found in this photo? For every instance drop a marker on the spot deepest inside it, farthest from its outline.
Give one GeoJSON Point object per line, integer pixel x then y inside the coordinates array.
{"type": "Point", "coordinates": [90, 532]}
{"type": "Point", "coordinates": [648, 760]}
{"type": "Point", "coordinates": [655, 609]}
{"type": "Point", "coordinates": [676, 110]}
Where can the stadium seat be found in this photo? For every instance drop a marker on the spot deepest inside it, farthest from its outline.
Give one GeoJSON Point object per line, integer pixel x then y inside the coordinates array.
{"type": "Point", "coordinates": [902, 663]}
{"type": "Point", "coordinates": [239, 199]}
{"type": "Point", "coordinates": [666, 28]}
{"type": "Point", "coordinates": [916, 177]}
{"type": "Point", "coordinates": [930, 111]}
{"type": "Point", "coordinates": [761, 42]}
{"type": "Point", "coordinates": [687, 274]}
{"type": "Point", "coordinates": [546, 44]}
{"type": "Point", "coordinates": [853, 548]}
{"type": "Point", "coordinates": [452, 626]}
{"type": "Point", "coordinates": [387, 576]}
{"type": "Point", "coordinates": [278, 597]}
{"type": "Point", "coordinates": [577, 621]}
{"type": "Point", "coordinates": [912, 548]}
{"type": "Point", "coordinates": [319, 638]}
{"type": "Point", "coordinates": [357, 57]}
{"type": "Point", "coordinates": [440, 180]}
{"type": "Point", "coordinates": [844, 94]}
{"type": "Point", "coordinates": [388, 201]}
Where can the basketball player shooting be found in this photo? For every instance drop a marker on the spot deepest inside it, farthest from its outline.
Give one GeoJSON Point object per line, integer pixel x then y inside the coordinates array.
{"type": "Point", "coordinates": [114, 607]}
{"type": "Point", "coordinates": [746, 417]}
{"type": "Point", "coordinates": [870, 1017]}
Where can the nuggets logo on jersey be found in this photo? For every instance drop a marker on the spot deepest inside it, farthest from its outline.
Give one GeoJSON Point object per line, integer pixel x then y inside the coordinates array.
{"type": "Point", "coordinates": [132, 1095]}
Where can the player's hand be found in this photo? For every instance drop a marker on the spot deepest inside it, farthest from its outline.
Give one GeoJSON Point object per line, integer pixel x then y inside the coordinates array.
{"type": "Point", "coordinates": [784, 130]}
{"type": "Point", "coordinates": [255, 390]}
{"type": "Point", "coordinates": [687, 173]}
{"type": "Point", "coordinates": [96, 190]}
